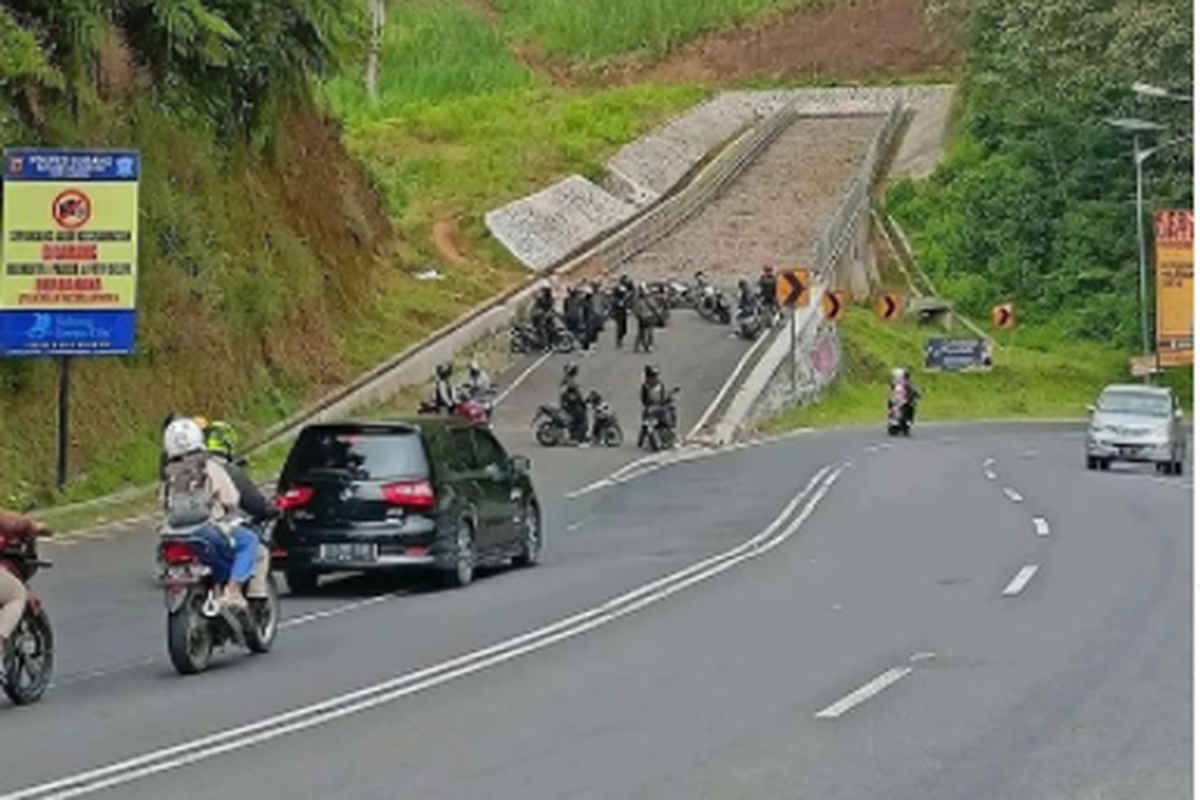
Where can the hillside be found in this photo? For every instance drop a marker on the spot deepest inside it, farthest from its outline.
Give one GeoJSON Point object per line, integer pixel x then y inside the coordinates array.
{"type": "Point", "coordinates": [285, 217]}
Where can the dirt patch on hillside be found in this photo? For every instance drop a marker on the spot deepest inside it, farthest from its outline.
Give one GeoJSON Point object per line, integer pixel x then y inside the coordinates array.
{"type": "Point", "coordinates": [845, 42]}
{"type": "Point", "coordinates": [447, 242]}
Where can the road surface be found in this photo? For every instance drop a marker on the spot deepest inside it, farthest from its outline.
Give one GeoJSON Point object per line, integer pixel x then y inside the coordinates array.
{"type": "Point", "coordinates": [966, 614]}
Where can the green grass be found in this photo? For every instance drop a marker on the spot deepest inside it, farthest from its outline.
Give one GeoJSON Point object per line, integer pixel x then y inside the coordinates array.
{"type": "Point", "coordinates": [468, 155]}
{"type": "Point", "coordinates": [1024, 383]}
{"type": "Point", "coordinates": [591, 30]}
{"type": "Point", "coordinates": [433, 50]}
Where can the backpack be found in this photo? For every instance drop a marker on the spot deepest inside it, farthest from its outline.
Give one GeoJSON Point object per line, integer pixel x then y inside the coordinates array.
{"type": "Point", "coordinates": [189, 493]}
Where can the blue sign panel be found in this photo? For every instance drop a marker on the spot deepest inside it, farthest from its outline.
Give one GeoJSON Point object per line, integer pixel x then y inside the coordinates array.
{"type": "Point", "coordinates": [28, 164]}
{"type": "Point", "coordinates": [67, 333]}
{"type": "Point", "coordinates": [954, 355]}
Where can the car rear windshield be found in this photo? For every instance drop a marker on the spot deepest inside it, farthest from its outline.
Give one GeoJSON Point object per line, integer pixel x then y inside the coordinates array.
{"type": "Point", "coordinates": [1140, 403]}
{"type": "Point", "coordinates": [361, 454]}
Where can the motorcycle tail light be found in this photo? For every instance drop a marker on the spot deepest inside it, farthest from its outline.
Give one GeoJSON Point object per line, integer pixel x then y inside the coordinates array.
{"type": "Point", "coordinates": [177, 553]}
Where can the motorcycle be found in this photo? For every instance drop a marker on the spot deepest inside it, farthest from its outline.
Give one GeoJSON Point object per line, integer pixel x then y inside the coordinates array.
{"type": "Point", "coordinates": [27, 666]}
{"type": "Point", "coordinates": [673, 293]}
{"type": "Point", "coordinates": [526, 338]}
{"type": "Point", "coordinates": [713, 307]}
{"type": "Point", "coordinates": [552, 426]}
{"type": "Point", "coordinates": [606, 428]}
{"type": "Point", "coordinates": [197, 622]}
{"type": "Point", "coordinates": [749, 323]}
{"type": "Point", "coordinates": [898, 417]}
{"type": "Point", "coordinates": [658, 430]}
{"type": "Point", "coordinates": [474, 407]}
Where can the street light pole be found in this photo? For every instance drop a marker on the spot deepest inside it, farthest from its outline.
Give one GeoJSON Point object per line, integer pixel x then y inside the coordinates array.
{"type": "Point", "coordinates": [1141, 232]}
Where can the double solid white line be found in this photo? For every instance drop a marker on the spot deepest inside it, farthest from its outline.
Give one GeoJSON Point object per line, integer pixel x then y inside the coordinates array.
{"type": "Point", "coordinates": [782, 528]}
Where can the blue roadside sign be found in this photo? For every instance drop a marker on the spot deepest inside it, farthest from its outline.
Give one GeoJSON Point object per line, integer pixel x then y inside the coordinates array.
{"type": "Point", "coordinates": [958, 354]}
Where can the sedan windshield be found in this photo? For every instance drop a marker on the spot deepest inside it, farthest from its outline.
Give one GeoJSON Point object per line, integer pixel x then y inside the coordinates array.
{"type": "Point", "coordinates": [1139, 403]}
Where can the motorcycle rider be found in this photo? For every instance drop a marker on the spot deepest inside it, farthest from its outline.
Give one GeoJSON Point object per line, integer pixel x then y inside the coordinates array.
{"type": "Point", "coordinates": [766, 289]}
{"type": "Point", "coordinates": [220, 439]}
{"type": "Point", "coordinates": [444, 397]}
{"type": "Point", "coordinates": [542, 316]}
{"type": "Point", "coordinates": [199, 490]}
{"type": "Point", "coordinates": [747, 299]}
{"type": "Point", "coordinates": [572, 402]}
{"type": "Point", "coordinates": [903, 389]}
{"type": "Point", "coordinates": [656, 401]}
{"type": "Point", "coordinates": [13, 595]}
{"type": "Point", "coordinates": [479, 383]}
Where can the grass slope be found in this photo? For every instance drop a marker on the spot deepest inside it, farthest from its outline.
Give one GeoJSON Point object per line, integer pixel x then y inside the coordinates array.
{"type": "Point", "coordinates": [1024, 382]}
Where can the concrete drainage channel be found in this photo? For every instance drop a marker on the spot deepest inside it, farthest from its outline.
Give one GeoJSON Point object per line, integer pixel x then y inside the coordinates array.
{"type": "Point", "coordinates": [659, 184]}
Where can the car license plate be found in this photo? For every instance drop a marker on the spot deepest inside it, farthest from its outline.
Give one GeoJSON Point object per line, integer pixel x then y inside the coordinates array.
{"type": "Point", "coordinates": [348, 553]}
{"type": "Point", "coordinates": [1128, 450]}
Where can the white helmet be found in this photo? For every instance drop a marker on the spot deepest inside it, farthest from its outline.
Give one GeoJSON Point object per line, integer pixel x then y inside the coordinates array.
{"type": "Point", "coordinates": [898, 374]}
{"type": "Point", "coordinates": [181, 437]}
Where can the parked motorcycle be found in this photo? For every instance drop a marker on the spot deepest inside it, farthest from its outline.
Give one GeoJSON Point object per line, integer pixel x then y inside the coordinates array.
{"type": "Point", "coordinates": [606, 428]}
{"type": "Point", "coordinates": [526, 338]}
{"type": "Point", "coordinates": [658, 425]}
{"type": "Point", "coordinates": [552, 426]}
{"type": "Point", "coordinates": [27, 665]}
{"type": "Point", "coordinates": [750, 323]}
{"type": "Point", "coordinates": [713, 307]}
{"type": "Point", "coordinates": [674, 293]}
{"type": "Point", "coordinates": [197, 622]}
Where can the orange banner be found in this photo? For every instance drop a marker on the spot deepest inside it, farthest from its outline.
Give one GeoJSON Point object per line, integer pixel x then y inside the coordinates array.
{"type": "Point", "coordinates": [1175, 302]}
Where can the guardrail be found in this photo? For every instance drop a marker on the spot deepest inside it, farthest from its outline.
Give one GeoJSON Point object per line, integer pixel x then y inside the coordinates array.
{"type": "Point", "coordinates": [647, 227]}
{"type": "Point", "coordinates": [827, 251]}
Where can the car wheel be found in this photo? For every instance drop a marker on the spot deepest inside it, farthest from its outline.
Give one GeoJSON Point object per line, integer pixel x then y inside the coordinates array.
{"type": "Point", "coordinates": [1105, 464]}
{"type": "Point", "coordinates": [301, 582]}
{"type": "Point", "coordinates": [531, 537]}
{"type": "Point", "coordinates": [463, 571]}
{"type": "Point", "coordinates": [1091, 462]}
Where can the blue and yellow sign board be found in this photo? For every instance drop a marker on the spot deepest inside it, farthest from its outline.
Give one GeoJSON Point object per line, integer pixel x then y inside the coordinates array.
{"type": "Point", "coordinates": [68, 252]}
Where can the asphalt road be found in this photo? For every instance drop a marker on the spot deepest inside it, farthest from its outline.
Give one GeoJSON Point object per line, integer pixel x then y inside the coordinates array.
{"type": "Point", "coordinates": [966, 614]}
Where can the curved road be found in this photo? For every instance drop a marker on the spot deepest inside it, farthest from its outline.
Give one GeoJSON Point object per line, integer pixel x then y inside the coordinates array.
{"type": "Point", "coordinates": [966, 614]}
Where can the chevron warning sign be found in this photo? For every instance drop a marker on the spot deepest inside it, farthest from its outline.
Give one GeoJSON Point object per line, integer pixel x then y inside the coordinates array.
{"type": "Point", "coordinates": [888, 307]}
{"type": "Point", "coordinates": [1003, 316]}
{"type": "Point", "coordinates": [833, 305]}
{"type": "Point", "coordinates": [791, 288]}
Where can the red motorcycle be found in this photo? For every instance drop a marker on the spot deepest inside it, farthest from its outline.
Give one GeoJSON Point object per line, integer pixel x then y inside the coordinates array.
{"type": "Point", "coordinates": [28, 663]}
{"type": "Point", "coordinates": [476, 409]}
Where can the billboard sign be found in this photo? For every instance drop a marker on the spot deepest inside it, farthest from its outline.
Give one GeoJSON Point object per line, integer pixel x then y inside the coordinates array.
{"type": "Point", "coordinates": [1174, 301]}
{"type": "Point", "coordinates": [958, 354]}
{"type": "Point", "coordinates": [68, 252]}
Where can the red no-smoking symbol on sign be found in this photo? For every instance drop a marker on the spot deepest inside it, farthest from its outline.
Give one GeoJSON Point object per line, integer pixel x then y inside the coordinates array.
{"type": "Point", "coordinates": [72, 209]}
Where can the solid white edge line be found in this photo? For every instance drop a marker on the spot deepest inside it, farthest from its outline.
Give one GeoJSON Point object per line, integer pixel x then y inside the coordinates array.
{"type": "Point", "coordinates": [1020, 580]}
{"type": "Point", "coordinates": [517, 381]}
{"type": "Point", "coordinates": [1040, 526]}
{"type": "Point", "coordinates": [864, 693]}
{"type": "Point", "coordinates": [727, 386]}
{"type": "Point", "coordinates": [1013, 494]}
{"type": "Point", "coordinates": [368, 697]}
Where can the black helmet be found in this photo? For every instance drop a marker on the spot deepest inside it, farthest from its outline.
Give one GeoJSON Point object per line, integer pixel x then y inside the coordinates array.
{"type": "Point", "coordinates": [445, 370]}
{"type": "Point", "coordinates": [570, 369]}
{"type": "Point", "coordinates": [742, 283]}
{"type": "Point", "coordinates": [651, 372]}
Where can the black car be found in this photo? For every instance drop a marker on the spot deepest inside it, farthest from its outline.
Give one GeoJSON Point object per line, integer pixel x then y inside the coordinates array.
{"type": "Point", "coordinates": [435, 493]}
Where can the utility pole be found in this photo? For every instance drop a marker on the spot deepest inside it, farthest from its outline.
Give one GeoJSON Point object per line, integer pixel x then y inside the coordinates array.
{"type": "Point", "coordinates": [375, 48]}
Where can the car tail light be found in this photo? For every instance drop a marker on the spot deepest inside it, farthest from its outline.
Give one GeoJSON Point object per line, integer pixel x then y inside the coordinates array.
{"type": "Point", "coordinates": [409, 494]}
{"type": "Point", "coordinates": [175, 553]}
{"type": "Point", "coordinates": [296, 497]}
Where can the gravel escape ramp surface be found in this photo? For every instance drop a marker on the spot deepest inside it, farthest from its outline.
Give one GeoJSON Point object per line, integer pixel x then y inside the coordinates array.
{"type": "Point", "coordinates": [774, 211]}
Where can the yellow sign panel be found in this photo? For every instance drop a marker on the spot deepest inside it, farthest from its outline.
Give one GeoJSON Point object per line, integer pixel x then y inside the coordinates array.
{"type": "Point", "coordinates": [1175, 303]}
{"type": "Point", "coordinates": [69, 245]}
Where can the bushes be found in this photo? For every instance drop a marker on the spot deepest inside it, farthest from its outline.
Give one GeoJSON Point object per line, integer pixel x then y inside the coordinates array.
{"type": "Point", "coordinates": [1033, 201]}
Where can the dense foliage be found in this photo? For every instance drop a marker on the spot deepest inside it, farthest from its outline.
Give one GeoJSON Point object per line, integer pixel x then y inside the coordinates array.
{"type": "Point", "coordinates": [227, 58]}
{"type": "Point", "coordinates": [1035, 201]}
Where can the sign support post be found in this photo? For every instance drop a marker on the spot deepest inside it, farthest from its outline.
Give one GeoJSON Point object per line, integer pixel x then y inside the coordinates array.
{"type": "Point", "coordinates": [791, 291]}
{"type": "Point", "coordinates": [795, 350]}
{"type": "Point", "coordinates": [64, 421]}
